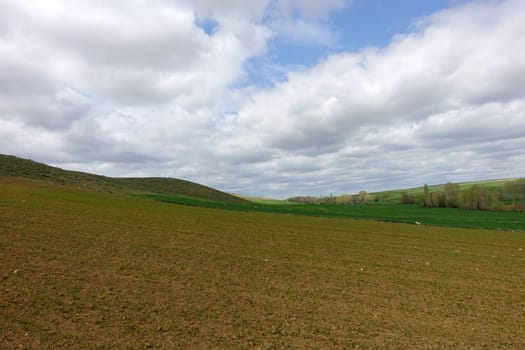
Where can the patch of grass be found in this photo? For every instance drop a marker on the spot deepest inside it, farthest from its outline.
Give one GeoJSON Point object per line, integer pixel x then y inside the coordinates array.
{"type": "Point", "coordinates": [374, 211]}
{"type": "Point", "coordinates": [98, 270]}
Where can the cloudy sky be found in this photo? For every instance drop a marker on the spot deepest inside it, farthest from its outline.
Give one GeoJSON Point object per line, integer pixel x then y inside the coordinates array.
{"type": "Point", "coordinates": [267, 97]}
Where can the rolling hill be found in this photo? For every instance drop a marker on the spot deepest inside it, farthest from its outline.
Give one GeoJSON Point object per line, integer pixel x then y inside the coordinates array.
{"type": "Point", "coordinates": [393, 196]}
{"type": "Point", "coordinates": [11, 166]}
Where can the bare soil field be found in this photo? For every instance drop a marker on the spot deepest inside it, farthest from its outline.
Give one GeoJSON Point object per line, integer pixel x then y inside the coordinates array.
{"type": "Point", "coordinates": [82, 269]}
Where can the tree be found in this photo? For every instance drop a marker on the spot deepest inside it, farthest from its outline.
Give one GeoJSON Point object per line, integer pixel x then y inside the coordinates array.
{"type": "Point", "coordinates": [515, 191]}
{"type": "Point", "coordinates": [475, 198]}
{"type": "Point", "coordinates": [363, 196]}
{"type": "Point", "coordinates": [434, 199]}
{"type": "Point", "coordinates": [427, 200]}
{"type": "Point", "coordinates": [480, 197]}
{"type": "Point", "coordinates": [406, 198]}
{"type": "Point", "coordinates": [515, 188]}
{"type": "Point", "coordinates": [451, 195]}
{"type": "Point", "coordinates": [465, 200]}
{"type": "Point", "coordinates": [343, 199]}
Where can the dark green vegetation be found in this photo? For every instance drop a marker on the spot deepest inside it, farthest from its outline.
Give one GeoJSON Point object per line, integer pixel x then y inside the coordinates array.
{"type": "Point", "coordinates": [495, 220]}
{"type": "Point", "coordinates": [95, 270]}
{"type": "Point", "coordinates": [510, 196]}
{"type": "Point", "coordinates": [17, 167]}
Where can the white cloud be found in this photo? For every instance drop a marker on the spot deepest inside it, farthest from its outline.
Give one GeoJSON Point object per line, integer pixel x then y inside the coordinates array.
{"type": "Point", "coordinates": [75, 67]}
{"type": "Point", "coordinates": [140, 88]}
{"type": "Point", "coordinates": [444, 67]}
{"type": "Point", "coordinates": [253, 9]}
{"type": "Point", "coordinates": [449, 88]}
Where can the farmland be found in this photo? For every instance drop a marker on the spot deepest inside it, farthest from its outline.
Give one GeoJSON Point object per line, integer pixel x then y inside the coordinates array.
{"type": "Point", "coordinates": [85, 269]}
{"type": "Point", "coordinates": [495, 220]}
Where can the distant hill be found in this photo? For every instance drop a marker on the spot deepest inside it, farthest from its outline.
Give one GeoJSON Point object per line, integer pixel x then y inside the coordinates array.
{"type": "Point", "coordinates": [497, 190]}
{"type": "Point", "coordinates": [395, 195]}
{"type": "Point", "coordinates": [11, 166]}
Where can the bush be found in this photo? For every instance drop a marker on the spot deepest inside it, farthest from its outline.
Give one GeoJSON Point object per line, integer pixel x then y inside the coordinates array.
{"type": "Point", "coordinates": [406, 198]}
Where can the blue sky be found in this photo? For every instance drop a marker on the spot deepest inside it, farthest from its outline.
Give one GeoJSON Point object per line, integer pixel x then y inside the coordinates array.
{"type": "Point", "coordinates": [271, 98]}
{"type": "Point", "coordinates": [359, 24]}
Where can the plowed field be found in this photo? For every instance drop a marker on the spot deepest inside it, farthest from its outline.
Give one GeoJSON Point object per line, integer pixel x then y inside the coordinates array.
{"type": "Point", "coordinates": [90, 270]}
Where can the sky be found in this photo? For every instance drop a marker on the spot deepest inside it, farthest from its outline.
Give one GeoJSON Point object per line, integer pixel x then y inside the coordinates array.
{"type": "Point", "coordinates": [270, 98]}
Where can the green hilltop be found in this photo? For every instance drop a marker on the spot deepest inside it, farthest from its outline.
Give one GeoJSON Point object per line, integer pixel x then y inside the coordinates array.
{"type": "Point", "coordinates": [394, 196]}
{"type": "Point", "coordinates": [11, 166]}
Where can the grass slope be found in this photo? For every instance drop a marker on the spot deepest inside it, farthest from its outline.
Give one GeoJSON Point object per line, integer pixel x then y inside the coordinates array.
{"type": "Point", "coordinates": [262, 200]}
{"type": "Point", "coordinates": [394, 196]}
{"type": "Point", "coordinates": [16, 167]}
{"type": "Point", "coordinates": [94, 270]}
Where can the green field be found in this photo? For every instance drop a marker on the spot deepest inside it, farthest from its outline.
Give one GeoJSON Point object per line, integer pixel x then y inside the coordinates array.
{"type": "Point", "coordinates": [92, 270]}
{"type": "Point", "coordinates": [496, 220]}
{"type": "Point", "coordinates": [259, 200]}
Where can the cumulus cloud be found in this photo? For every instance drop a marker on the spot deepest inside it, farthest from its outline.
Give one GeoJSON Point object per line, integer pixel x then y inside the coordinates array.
{"type": "Point", "coordinates": [253, 10]}
{"type": "Point", "coordinates": [133, 52]}
{"type": "Point", "coordinates": [453, 62]}
{"type": "Point", "coordinates": [455, 83]}
{"type": "Point", "coordinates": [138, 88]}
{"type": "Point", "coordinates": [73, 68]}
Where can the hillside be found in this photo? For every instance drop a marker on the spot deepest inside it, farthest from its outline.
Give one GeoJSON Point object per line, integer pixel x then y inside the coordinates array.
{"type": "Point", "coordinates": [394, 196]}
{"type": "Point", "coordinates": [11, 166]}
{"type": "Point", "coordinates": [493, 188]}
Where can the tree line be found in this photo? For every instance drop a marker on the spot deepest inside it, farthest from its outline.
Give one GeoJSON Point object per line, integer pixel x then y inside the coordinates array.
{"type": "Point", "coordinates": [510, 197]}
{"type": "Point", "coordinates": [362, 197]}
